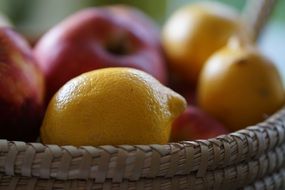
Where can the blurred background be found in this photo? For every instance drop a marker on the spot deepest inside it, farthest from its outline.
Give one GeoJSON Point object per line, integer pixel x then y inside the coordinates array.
{"type": "Point", "coordinates": [34, 17]}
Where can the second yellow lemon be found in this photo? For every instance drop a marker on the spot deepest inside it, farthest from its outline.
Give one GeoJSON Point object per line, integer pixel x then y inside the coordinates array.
{"type": "Point", "coordinates": [111, 106]}
{"type": "Point", "coordinates": [194, 32]}
{"type": "Point", "coordinates": [239, 86]}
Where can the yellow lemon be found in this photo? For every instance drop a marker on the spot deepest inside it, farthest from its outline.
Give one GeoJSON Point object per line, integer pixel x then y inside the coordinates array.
{"type": "Point", "coordinates": [240, 86]}
{"type": "Point", "coordinates": [194, 32]}
{"type": "Point", "coordinates": [111, 106]}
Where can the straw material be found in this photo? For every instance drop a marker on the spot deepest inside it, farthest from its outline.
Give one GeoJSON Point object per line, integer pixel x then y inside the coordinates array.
{"type": "Point", "coordinates": [254, 157]}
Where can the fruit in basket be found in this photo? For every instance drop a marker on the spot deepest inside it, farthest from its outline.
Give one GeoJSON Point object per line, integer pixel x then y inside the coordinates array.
{"type": "Point", "coordinates": [97, 38]}
{"type": "Point", "coordinates": [111, 106]}
{"type": "Point", "coordinates": [21, 89]}
{"type": "Point", "coordinates": [194, 124]}
{"type": "Point", "coordinates": [187, 90]}
{"type": "Point", "coordinates": [240, 86]}
{"type": "Point", "coordinates": [193, 33]}
{"type": "Point", "coordinates": [142, 20]}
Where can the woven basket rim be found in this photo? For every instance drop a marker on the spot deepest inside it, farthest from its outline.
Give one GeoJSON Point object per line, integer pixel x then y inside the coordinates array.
{"type": "Point", "coordinates": [260, 144]}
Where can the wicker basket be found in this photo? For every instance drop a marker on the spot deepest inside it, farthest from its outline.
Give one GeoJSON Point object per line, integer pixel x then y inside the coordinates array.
{"type": "Point", "coordinates": [253, 158]}
{"type": "Point", "coordinates": [250, 158]}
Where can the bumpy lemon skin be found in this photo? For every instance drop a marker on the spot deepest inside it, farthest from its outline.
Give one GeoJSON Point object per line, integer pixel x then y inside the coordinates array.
{"type": "Point", "coordinates": [111, 106]}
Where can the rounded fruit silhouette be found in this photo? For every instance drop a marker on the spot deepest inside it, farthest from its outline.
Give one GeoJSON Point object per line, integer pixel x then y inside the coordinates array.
{"type": "Point", "coordinates": [111, 106]}
{"type": "Point", "coordinates": [195, 124]}
{"type": "Point", "coordinates": [194, 32]}
{"type": "Point", "coordinates": [21, 89]}
{"type": "Point", "coordinates": [240, 87]}
{"type": "Point", "coordinates": [94, 38]}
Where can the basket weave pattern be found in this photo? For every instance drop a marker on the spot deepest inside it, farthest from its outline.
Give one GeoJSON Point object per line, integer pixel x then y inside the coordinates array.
{"type": "Point", "coordinates": [253, 157]}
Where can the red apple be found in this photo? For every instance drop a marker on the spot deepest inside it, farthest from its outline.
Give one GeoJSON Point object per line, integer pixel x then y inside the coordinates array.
{"type": "Point", "coordinates": [187, 90]}
{"type": "Point", "coordinates": [96, 38]}
{"type": "Point", "coordinates": [21, 88]}
{"type": "Point", "coordinates": [195, 124]}
{"type": "Point", "coordinates": [142, 21]}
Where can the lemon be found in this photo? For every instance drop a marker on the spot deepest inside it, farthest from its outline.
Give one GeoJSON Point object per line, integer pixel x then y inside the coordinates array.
{"type": "Point", "coordinates": [240, 86]}
{"type": "Point", "coordinates": [111, 106]}
{"type": "Point", "coordinates": [194, 32]}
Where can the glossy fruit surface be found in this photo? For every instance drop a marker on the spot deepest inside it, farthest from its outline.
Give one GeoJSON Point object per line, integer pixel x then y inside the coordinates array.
{"type": "Point", "coordinates": [240, 87]}
{"type": "Point", "coordinates": [21, 89]}
{"type": "Point", "coordinates": [195, 124]}
{"type": "Point", "coordinates": [193, 33]}
{"type": "Point", "coordinates": [111, 106]}
{"type": "Point", "coordinates": [97, 38]}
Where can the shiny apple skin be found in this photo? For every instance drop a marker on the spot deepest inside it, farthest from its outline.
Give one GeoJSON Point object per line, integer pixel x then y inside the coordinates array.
{"type": "Point", "coordinates": [80, 44]}
{"type": "Point", "coordinates": [21, 88]}
{"type": "Point", "coordinates": [194, 124]}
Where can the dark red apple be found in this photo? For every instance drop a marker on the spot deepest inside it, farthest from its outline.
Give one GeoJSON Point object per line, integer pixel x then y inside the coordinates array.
{"type": "Point", "coordinates": [95, 38]}
{"type": "Point", "coordinates": [195, 124]}
{"type": "Point", "coordinates": [187, 90]}
{"type": "Point", "coordinates": [21, 89]}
